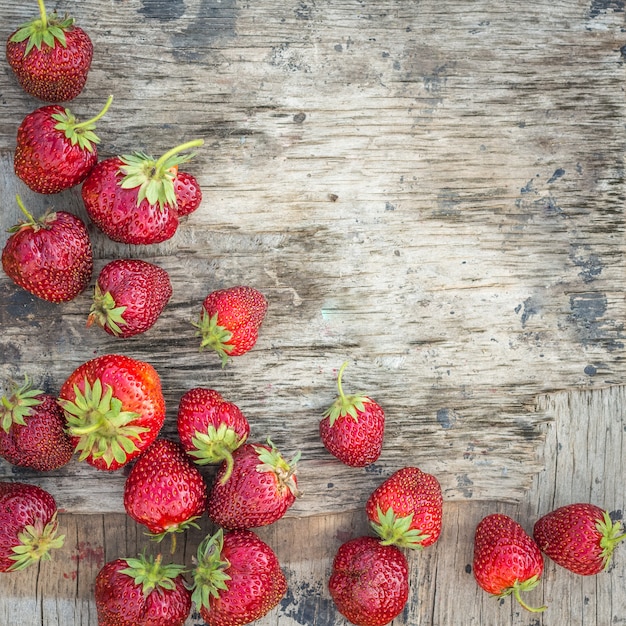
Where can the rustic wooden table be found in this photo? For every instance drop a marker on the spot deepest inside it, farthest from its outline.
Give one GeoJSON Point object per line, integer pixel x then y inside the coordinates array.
{"type": "Point", "coordinates": [433, 191]}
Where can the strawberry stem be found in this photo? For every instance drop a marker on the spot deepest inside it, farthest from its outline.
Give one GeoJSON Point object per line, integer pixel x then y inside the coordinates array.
{"type": "Point", "coordinates": [42, 12]}
{"type": "Point", "coordinates": [29, 217]}
{"type": "Point", "coordinates": [174, 151]}
{"type": "Point", "coordinates": [93, 120]}
{"type": "Point", "coordinates": [517, 587]}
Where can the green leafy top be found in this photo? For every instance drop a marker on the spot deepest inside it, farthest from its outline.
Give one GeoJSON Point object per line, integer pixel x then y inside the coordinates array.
{"type": "Point", "coordinates": [35, 543]}
{"type": "Point", "coordinates": [209, 575]}
{"type": "Point", "coordinates": [30, 221]}
{"type": "Point", "coordinates": [150, 573]}
{"type": "Point", "coordinates": [104, 312]}
{"type": "Point", "coordinates": [395, 530]}
{"type": "Point", "coordinates": [216, 445]}
{"type": "Point", "coordinates": [611, 536]}
{"type": "Point", "coordinates": [272, 461]}
{"type": "Point", "coordinates": [345, 405]}
{"type": "Point", "coordinates": [213, 335]}
{"type": "Point", "coordinates": [17, 406]}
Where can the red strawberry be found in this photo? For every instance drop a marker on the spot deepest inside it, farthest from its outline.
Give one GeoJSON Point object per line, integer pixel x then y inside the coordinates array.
{"type": "Point", "coordinates": [165, 490]}
{"type": "Point", "coordinates": [28, 526]}
{"type": "Point", "coordinates": [369, 582]}
{"type": "Point", "coordinates": [261, 487]}
{"type": "Point", "coordinates": [114, 409]}
{"type": "Point", "coordinates": [50, 257]}
{"type": "Point", "coordinates": [237, 579]}
{"type": "Point", "coordinates": [129, 297]}
{"type": "Point", "coordinates": [506, 559]}
{"type": "Point", "coordinates": [211, 429]}
{"type": "Point", "coordinates": [188, 193]}
{"type": "Point", "coordinates": [54, 151]}
{"type": "Point", "coordinates": [50, 56]}
{"type": "Point", "coordinates": [141, 592]}
{"type": "Point", "coordinates": [579, 537]}
{"type": "Point", "coordinates": [406, 510]}
{"type": "Point", "coordinates": [32, 433]}
{"type": "Point", "coordinates": [353, 428]}
{"type": "Point", "coordinates": [133, 199]}
{"type": "Point", "coordinates": [230, 320]}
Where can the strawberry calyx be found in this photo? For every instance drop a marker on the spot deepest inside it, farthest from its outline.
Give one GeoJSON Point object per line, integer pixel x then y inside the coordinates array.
{"type": "Point", "coordinates": [271, 460]}
{"type": "Point", "coordinates": [151, 573]}
{"type": "Point", "coordinates": [155, 177]}
{"type": "Point", "coordinates": [213, 335]}
{"type": "Point", "coordinates": [217, 444]}
{"type": "Point", "coordinates": [103, 429]}
{"type": "Point", "coordinates": [35, 542]}
{"type": "Point", "coordinates": [105, 312]}
{"type": "Point", "coordinates": [345, 405]}
{"type": "Point", "coordinates": [395, 530]}
{"type": "Point", "coordinates": [519, 587]}
{"type": "Point", "coordinates": [610, 532]}
{"type": "Point", "coordinates": [209, 574]}
{"type": "Point", "coordinates": [30, 221]}
{"type": "Point", "coordinates": [176, 528]}
{"type": "Point", "coordinates": [15, 407]}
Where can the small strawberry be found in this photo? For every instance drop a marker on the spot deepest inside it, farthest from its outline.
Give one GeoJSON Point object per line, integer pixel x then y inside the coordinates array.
{"type": "Point", "coordinates": [369, 581]}
{"type": "Point", "coordinates": [261, 487]}
{"type": "Point", "coordinates": [28, 526]}
{"type": "Point", "coordinates": [580, 537]}
{"type": "Point", "coordinates": [141, 592]}
{"type": "Point", "coordinates": [237, 579]}
{"type": "Point", "coordinates": [114, 408]}
{"type": "Point", "coordinates": [54, 151]}
{"type": "Point", "coordinates": [129, 297]}
{"type": "Point", "coordinates": [506, 559]}
{"type": "Point", "coordinates": [188, 193]}
{"type": "Point", "coordinates": [32, 433]}
{"type": "Point", "coordinates": [165, 490]}
{"type": "Point", "coordinates": [230, 320]}
{"type": "Point", "coordinates": [50, 257]}
{"type": "Point", "coordinates": [50, 56]}
{"type": "Point", "coordinates": [406, 510]}
{"type": "Point", "coordinates": [210, 428]}
{"type": "Point", "coordinates": [352, 428]}
{"type": "Point", "coordinates": [134, 198]}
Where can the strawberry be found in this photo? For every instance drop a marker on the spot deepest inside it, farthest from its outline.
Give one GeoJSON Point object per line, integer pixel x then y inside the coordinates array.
{"type": "Point", "coordinates": [50, 257]}
{"type": "Point", "coordinates": [352, 428]}
{"type": "Point", "coordinates": [406, 509]}
{"type": "Point", "coordinates": [506, 559]}
{"type": "Point", "coordinates": [230, 320]}
{"type": "Point", "coordinates": [32, 433]}
{"type": "Point", "coordinates": [165, 490]}
{"type": "Point", "coordinates": [54, 151]}
{"type": "Point", "coordinates": [237, 579]}
{"type": "Point", "coordinates": [211, 429]}
{"type": "Point", "coordinates": [28, 526]}
{"type": "Point", "coordinates": [134, 198]}
{"type": "Point", "coordinates": [129, 297]}
{"type": "Point", "coordinates": [369, 581]}
{"type": "Point", "coordinates": [114, 408]}
{"type": "Point", "coordinates": [50, 56]}
{"type": "Point", "coordinates": [580, 537]}
{"type": "Point", "coordinates": [260, 489]}
{"type": "Point", "coordinates": [188, 193]}
{"type": "Point", "coordinates": [141, 592]}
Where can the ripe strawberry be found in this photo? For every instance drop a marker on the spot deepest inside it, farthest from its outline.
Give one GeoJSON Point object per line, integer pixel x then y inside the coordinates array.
{"type": "Point", "coordinates": [406, 510]}
{"type": "Point", "coordinates": [50, 56]}
{"type": "Point", "coordinates": [50, 257]}
{"type": "Point", "coordinates": [114, 409]}
{"type": "Point", "coordinates": [237, 579]}
{"type": "Point", "coordinates": [28, 526]}
{"type": "Point", "coordinates": [165, 490]}
{"type": "Point", "coordinates": [211, 429]}
{"type": "Point", "coordinates": [579, 537]}
{"type": "Point", "coordinates": [506, 559]}
{"type": "Point", "coordinates": [230, 320]}
{"type": "Point", "coordinates": [369, 582]}
{"type": "Point", "coordinates": [141, 592]}
{"type": "Point", "coordinates": [352, 428]}
{"type": "Point", "coordinates": [134, 198]}
{"type": "Point", "coordinates": [188, 193]}
{"type": "Point", "coordinates": [261, 487]}
{"type": "Point", "coordinates": [129, 297]}
{"type": "Point", "coordinates": [32, 433]}
{"type": "Point", "coordinates": [54, 151]}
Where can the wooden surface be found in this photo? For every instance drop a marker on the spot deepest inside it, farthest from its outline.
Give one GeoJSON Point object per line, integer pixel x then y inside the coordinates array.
{"type": "Point", "coordinates": [433, 191]}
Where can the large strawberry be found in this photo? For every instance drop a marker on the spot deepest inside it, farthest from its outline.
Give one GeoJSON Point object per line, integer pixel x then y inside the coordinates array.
{"type": "Point", "coordinates": [230, 320]}
{"type": "Point", "coordinates": [32, 433]}
{"type": "Point", "coordinates": [54, 151]}
{"type": "Point", "coordinates": [141, 591]}
{"type": "Point", "coordinates": [114, 408]}
{"type": "Point", "coordinates": [129, 297]}
{"type": "Point", "coordinates": [260, 489]}
{"type": "Point", "coordinates": [353, 427]}
{"type": "Point", "coordinates": [164, 490]}
{"type": "Point", "coordinates": [406, 509]}
{"type": "Point", "coordinates": [506, 559]}
{"type": "Point", "coordinates": [369, 582]}
{"type": "Point", "coordinates": [210, 428]}
{"type": "Point", "coordinates": [51, 257]}
{"type": "Point", "coordinates": [237, 578]}
{"type": "Point", "coordinates": [50, 56]}
{"type": "Point", "coordinates": [580, 537]}
{"type": "Point", "coordinates": [134, 198]}
{"type": "Point", "coordinates": [28, 526]}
